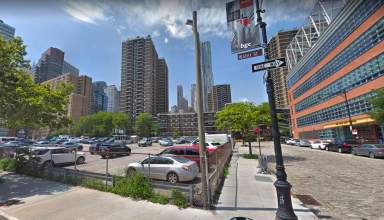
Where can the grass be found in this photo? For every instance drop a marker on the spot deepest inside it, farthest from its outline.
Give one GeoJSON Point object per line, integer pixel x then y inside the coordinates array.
{"type": "Point", "coordinates": [250, 156]}
{"type": "Point", "coordinates": [178, 199]}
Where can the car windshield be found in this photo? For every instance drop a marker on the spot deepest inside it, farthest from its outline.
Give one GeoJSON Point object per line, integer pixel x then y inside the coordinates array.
{"type": "Point", "coordinates": [39, 152]}
{"type": "Point", "coordinates": [215, 143]}
{"type": "Point", "coordinates": [181, 160]}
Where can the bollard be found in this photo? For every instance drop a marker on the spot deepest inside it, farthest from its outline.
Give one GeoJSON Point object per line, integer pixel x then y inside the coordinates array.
{"type": "Point", "coordinates": [75, 158]}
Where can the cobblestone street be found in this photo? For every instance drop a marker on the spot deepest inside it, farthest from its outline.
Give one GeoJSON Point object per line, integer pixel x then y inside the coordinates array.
{"type": "Point", "coordinates": [346, 186]}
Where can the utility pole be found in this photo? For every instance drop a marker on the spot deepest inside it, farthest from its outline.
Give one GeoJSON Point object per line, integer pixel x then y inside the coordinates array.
{"type": "Point", "coordinates": [200, 115]}
{"type": "Point", "coordinates": [348, 110]}
{"type": "Point", "coordinates": [283, 188]}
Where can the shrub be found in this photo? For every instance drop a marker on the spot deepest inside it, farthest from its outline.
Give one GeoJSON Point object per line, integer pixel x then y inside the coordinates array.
{"type": "Point", "coordinates": [93, 184]}
{"type": "Point", "coordinates": [250, 156]}
{"type": "Point", "coordinates": [8, 164]}
{"type": "Point", "coordinates": [178, 199]}
{"type": "Point", "coordinates": [157, 198]}
{"type": "Point", "coordinates": [226, 170]}
{"type": "Point", "coordinates": [136, 186]}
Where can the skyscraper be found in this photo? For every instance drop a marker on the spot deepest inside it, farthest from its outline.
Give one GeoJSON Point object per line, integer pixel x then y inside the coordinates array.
{"type": "Point", "coordinates": [221, 96]}
{"type": "Point", "coordinates": [139, 78]}
{"type": "Point", "coordinates": [161, 87]}
{"type": "Point", "coordinates": [51, 65]}
{"type": "Point", "coordinates": [99, 101]}
{"type": "Point", "coordinates": [80, 98]}
{"type": "Point", "coordinates": [180, 100]}
{"type": "Point", "coordinates": [112, 98]}
{"type": "Point", "coordinates": [193, 97]}
{"type": "Point", "coordinates": [276, 49]}
{"type": "Point", "coordinates": [6, 31]}
{"type": "Point", "coordinates": [206, 71]}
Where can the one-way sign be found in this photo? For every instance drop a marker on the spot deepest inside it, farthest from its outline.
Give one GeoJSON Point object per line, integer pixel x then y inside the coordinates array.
{"type": "Point", "coordinates": [270, 64]}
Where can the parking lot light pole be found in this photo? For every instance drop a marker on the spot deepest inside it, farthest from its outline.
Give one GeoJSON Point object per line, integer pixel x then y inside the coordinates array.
{"type": "Point", "coordinates": [283, 188]}
{"type": "Point", "coordinates": [200, 114]}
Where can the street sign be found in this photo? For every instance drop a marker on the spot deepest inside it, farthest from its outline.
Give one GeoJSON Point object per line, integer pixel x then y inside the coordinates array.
{"type": "Point", "coordinates": [250, 54]}
{"type": "Point", "coordinates": [270, 64]}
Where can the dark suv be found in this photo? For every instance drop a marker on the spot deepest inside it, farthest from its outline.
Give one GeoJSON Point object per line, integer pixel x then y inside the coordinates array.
{"type": "Point", "coordinates": [113, 149]}
{"type": "Point", "coordinates": [342, 146]}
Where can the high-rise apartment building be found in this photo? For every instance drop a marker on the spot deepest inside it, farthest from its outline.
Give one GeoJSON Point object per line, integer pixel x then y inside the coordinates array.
{"type": "Point", "coordinates": [112, 97]}
{"type": "Point", "coordinates": [99, 99]}
{"type": "Point", "coordinates": [180, 97]}
{"type": "Point", "coordinates": [206, 71]}
{"type": "Point", "coordinates": [6, 31]}
{"type": "Point", "coordinates": [80, 99]}
{"type": "Point", "coordinates": [276, 49]}
{"type": "Point", "coordinates": [161, 87]}
{"type": "Point", "coordinates": [193, 97]}
{"type": "Point", "coordinates": [138, 78]}
{"type": "Point", "coordinates": [338, 73]}
{"type": "Point", "coordinates": [221, 96]}
{"type": "Point", "coordinates": [51, 65]}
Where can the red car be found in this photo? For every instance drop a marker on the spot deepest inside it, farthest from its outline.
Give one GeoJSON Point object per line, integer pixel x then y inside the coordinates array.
{"type": "Point", "coordinates": [188, 152]}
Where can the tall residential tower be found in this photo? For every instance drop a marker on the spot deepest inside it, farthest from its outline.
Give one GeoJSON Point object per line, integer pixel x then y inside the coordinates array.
{"type": "Point", "coordinates": [206, 71]}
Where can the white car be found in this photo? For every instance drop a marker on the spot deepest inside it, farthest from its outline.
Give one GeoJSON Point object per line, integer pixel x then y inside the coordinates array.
{"type": "Point", "coordinates": [291, 141]}
{"type": "Point", "coordinates": [48, 156]}
{"type": "Point", "coordinates": [319, 144]}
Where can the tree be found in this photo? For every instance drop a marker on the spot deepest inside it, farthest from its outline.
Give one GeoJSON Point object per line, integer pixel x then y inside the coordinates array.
{"type": "Point", "coordinates": [156, 129]}
{"type": "Point", "coordinates": [377, 101]}
{"type": "Point", "coordinates": [176, 133]}
{"type": "Point", "coordinates": [22, 102]}
{"type": "Point", "coordinates": [144, 124]}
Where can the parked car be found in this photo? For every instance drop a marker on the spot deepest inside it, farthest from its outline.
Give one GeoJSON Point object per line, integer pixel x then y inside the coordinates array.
{"type": "Point", "coordinates": [210, 146]}
{"type": "Point", "coordinates": [319, 144]}
{"type": "Point", "coordinates": [94, 148]}
{"type": "Point", "coordinates": [180, 140]}
{"type": "Point", "coordinates": [50, 156]}
{"type": "Point", "coordinates": [42, 143]}
{"type": "Point", "coordinates": [155, 139]}
{"type": "Point", "coordinates": [291, 141]}
{"type": "Point", "coordinates": [171, 169]}
{"type": "Point", "coordinates": [370, 150]}
{"type": "Point", "coordinates": [72, 146]}
{"type": "Point", "coordinates": [304, 143]}
{"type": "Point", "coordinates": [113, 150]}
{"type": "Point", "coordinates": [342, 146]}
{"type": "Point", "coordinates": [145, 142]}
{"type": "Point", "coordinates": [188, 152]}
{"type": "Point", "coordinates": [165, 142]}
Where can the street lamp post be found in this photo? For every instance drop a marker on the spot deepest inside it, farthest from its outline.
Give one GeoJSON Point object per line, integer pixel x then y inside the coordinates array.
{"type": "Point", "coordinates": [200, 114]}
{"type": "Point", "coordinates": [283, 188]}
{"type": "Point", "coordinates": [348, 110]}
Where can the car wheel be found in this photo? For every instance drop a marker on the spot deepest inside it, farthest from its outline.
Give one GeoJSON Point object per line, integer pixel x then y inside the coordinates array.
{"type": "Point", "coordinates": [372, 155]}
{"type": "Point", "coordinates": [340, 150]}
{"type": "Point", "coordinates": [80, 160]}
{"type": "Point", "coordinates": [130, 171]}
{"type": "Point", "coordinates": [103, 156]}
{"type": "Point", "coordinates": [353, 152]}
{"type": "Point", "coordinates": [172, 177]}
{"type": "Point", "coordinates": [326, 148]}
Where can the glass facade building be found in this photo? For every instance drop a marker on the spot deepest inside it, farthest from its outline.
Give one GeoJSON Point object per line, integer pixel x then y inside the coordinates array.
{"type": "Point", "coordinates": [338, 74]}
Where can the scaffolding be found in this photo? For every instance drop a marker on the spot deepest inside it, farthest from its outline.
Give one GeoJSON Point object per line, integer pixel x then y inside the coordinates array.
{"type": "Point", "coordinates": [317, 22]}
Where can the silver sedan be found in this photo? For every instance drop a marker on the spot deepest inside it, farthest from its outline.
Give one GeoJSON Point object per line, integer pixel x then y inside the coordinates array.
{"type": "Point", "coordinates": [170, 169]}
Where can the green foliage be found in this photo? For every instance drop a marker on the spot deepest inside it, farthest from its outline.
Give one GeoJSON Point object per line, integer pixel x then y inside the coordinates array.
{"type": "Point", "coordinates": [102, 124]}
{"type": "Point", "coordinates": [176, 133]}
{"type": "Point", "coordinates": [250, 156]}
{"type": "Point", "coordinates": [158, 198]}
{"type": "Point", "coordinates": [93, 184]}
{"type": "Point", "coordinates": [8, 164]}
{"type": "Point", "coordinates": [179, 199]}
{"type": "Point", "coordinates": [22, 102]}
{"type": "Point", "coordinates": [242, 117]}
{"type": "Point", "coordinates": [136, 186]}
{"type": "Point", "coordinates": [378, 106]}
{"type": "Point", "coordinates": [226, 169]}
{"type": "Point", "coordinates": [145, 125]}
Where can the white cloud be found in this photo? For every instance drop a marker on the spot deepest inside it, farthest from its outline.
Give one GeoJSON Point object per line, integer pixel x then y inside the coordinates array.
{"type": "Point", "coordinates": [245, 99]}
{"type": "Point", "coordinates": [170, 15]}
{"type": "Point", "coordinates": [166, 40]}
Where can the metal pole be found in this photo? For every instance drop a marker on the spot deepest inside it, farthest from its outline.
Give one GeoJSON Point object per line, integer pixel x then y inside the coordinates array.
{"type": "Point", "coordinates": [258, 139]}
{"type": "Point", "coordinates": [283, 188]}
{"type": "Point", "coordinates": [75, 158]}
{"type": "Point", "coordinates": [348, 110]}
{"type": "Point", "coordinates": [200, 116]}
{"type": "Point", "coordinates": [106, 173]}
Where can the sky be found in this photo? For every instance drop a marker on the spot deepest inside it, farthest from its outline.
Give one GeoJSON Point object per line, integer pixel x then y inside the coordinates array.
{"type": "Point", "coordinates": [91, 32]}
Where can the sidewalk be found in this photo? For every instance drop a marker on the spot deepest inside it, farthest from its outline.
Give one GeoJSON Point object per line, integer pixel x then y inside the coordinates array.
{"type": "Point", "coordinates": [245, 193]}
{"type": "Point", "coordinates": [253, 195]}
